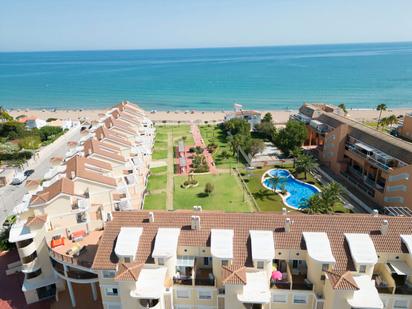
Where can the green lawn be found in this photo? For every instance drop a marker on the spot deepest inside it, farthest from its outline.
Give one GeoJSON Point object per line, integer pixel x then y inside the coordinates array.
{"type": "Point", "coordinates": [227, 194]}
{"type": "Point", "coordinates": [157, 182]}
{"type": "Point", "coordinates": [267, 200]}
{"type": "Point", "coordinates": [160, 144]}
{"type": "Point", "coordinates": [159, 154]}
{"type": "Point", "coordinates": [157, 170]}
{"type": "Point", "coordinates": [213, 132]}
{"type": "Point", "coordinates": [178, 132]}
{"type": "Point", "coordinates": [155, 201]}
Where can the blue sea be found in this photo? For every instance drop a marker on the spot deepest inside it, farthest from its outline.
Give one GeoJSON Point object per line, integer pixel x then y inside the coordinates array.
{"type": "Point", "coordinates": [359, 75]}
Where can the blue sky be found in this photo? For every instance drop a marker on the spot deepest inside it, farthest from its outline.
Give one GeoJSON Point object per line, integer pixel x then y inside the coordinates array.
{"type": "Point", "coordinates": [27, 25]}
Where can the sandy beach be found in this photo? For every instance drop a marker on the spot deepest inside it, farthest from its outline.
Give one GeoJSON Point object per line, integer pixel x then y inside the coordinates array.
{"type": "Point", "coordinates": [279, 116]}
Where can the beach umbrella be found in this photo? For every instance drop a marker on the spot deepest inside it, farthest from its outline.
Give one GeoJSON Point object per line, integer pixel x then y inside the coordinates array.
{"type": "Point", "coordinates": [276, 275]}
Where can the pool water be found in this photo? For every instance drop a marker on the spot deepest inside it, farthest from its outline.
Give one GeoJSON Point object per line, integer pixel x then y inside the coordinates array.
{"type": "Point", "coordinates": [299, 192]}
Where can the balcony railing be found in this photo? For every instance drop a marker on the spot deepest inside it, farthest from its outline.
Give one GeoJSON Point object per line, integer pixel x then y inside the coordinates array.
{"type": "Point", "coordinates": [202, 281]}
{"type": "Point", "coordinates": [403, 289]}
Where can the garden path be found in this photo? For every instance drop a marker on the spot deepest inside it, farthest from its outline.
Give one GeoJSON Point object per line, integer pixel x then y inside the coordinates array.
{"type": "Point", "coordinates": [200, 142]}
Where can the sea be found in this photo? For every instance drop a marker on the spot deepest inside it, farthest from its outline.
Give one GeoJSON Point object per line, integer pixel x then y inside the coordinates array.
{"type": "Point", "coordinates": [267, 78]}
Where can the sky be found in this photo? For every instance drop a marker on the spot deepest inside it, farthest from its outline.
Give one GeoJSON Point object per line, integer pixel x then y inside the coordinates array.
{"type": "Point", "coordinates": [27, 25]}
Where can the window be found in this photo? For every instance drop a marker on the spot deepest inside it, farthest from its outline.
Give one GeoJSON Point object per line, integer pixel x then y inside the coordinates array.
{"type": "Point", "coordinates": [280, 298]}
{"type": "Point", "coordinates": [109, 273]}
{"type": "Point", "coordinates": [362, 268]}
{"type": "Point", "coordinates": [325, 267]}
{"type": "Point", "coordinates": [127, 260]}
{"type": "Point", "coordinates": [300, 299]}
{"type": "Point", "coordinates": [161, 261]}
{"type": "Point", "coordinates": [182, 293]}
{"type": "Point", "coordinates": [206, 261]}
{"type": "Point", "coordinates": [204, 294]}
{"type": "Point", "coordinates": [401, 304]}
{"type": "Point", "coordinates": [225, 262]}
{"type": "Point", "coordinates": [111, 291]}
{"type": "Point", "coordinates": [260, 265]}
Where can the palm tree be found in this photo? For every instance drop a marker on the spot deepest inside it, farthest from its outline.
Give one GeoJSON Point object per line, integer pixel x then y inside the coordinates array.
{"type": "Point", "coordinates": [383, 123]}
{"type": "Point", "coordinates": [306, 163]}
{"type": "Point", "coordinates": [343, 107]}
{"type": "Point", "coordinates": [380, 108]}
{"type": "Point", "coordinates": [330, 195]}
{"type": "Point", "coordinates": [392, 119]}
{"type": "Point", "coordinates": [313, 205]}
{"type": "Point", "coordinates": [296, 152]}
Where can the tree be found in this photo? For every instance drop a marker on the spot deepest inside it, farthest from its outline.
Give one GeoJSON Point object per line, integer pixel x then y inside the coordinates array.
{"type": "Point", "coordinates": [324, 201]}
{"type": "Point", "coordinates": [343, 107]}
{"type": "Point", "coordinates": [236, 126]}
{"type": "Point", "coordinates": [266, 129]}
{"type": "Point", "coordinates": [290, 137]}
{"type": "Point", "coordinates": [380, 108]}
{"type": "Point", "coordinates": [4, 115]}
{"type": "Point", "coordinates": [256, 146]}
{"type": "Point", "coordinates": [305, 163]}
{"type": "Point", "coordinates": [392, 119]}
{"type": "Point", "coordinates": [267, 117]}
{"type": "Point", "coordinates": [296, 152]}
{"type": "Point", "coordinates": [209, 188]}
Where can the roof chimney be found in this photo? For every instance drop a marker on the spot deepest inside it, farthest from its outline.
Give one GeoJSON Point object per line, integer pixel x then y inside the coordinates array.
{"type": "Point", "coordinates": [195, 222]}
{"type": "Point", "coordinates": [384, 227]}
{"type": "Point", "coordinates": [284, 211]}
{"type": "Point", "coordinates": [288, 224]}
{"type": "Point", "coordinates": [151, 217]}
{"type": "Point", "coordinates": [72, 175]}
{"type": "Point", "coordinates": [375, 213]}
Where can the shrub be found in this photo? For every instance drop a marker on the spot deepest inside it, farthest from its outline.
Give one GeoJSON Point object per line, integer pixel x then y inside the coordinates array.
{"type": "Point", "coordinates": [209, 188]}
{"type": "Point", "coordinates": [30, 142]}
{"type": "Point", "coordinates": [49, 133]}
{"type": "Point", "coordinates": [17, 156]}
{"type": "Point", "coordinates": [51, 119]}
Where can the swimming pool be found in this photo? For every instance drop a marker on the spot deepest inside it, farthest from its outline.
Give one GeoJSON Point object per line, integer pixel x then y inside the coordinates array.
{"type": "Point", "coordinates": [297, 191]}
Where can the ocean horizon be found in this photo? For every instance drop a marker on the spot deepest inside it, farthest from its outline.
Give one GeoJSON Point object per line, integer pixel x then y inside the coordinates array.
{"type": "Point", "coordinates": [267, 78]}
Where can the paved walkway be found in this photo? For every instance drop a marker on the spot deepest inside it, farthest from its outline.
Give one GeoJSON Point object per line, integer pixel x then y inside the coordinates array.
{"type": "Point", "coordinates": [200, 142]}
{"type": "Point", "coordinates": [170, 171]}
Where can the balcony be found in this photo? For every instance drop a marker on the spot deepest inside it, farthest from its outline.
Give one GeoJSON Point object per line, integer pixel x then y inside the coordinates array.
{"type": "Point", "coordinates": [72, 273]}
{"type": "Point", "coordinates": [149, 303]}
{"type": "Point", "coordinates": [188, 273]}
{"type": "Point", "coordinates": [285, 283]}
{"type": "Point", "coordinates": [204, 276]}
{"type": "Point", "coordinates": [80, 252]}
{"type": "Point", "coordinates": [375, 157]}
{"type": "Point", "coordinates": [294, 276]}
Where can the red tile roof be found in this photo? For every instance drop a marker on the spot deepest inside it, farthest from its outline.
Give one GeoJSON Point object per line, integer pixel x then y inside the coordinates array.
{"type": "Point", "coordinates": [342, 281]}
{"type": "Point", "coordinates": [61, 186]}
{"type": "Point", "coordinates": [334, 225]}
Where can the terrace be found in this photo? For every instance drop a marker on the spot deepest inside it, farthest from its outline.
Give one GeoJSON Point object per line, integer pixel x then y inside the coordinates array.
{"type": "Point", "coordinates": [374, 156]}
{"type": "Point", "coordinates": [188, 273]}
{"type": "Point", "coordinates": [77, 251]}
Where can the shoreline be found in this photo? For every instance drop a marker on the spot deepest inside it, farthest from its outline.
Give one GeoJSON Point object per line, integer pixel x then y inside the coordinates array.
{"type": "Point", "coordinates": [280, 116]}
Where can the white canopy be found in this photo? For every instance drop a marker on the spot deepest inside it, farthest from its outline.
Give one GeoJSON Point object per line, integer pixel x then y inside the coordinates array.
{"type": "Point", "coordinates": [400, 268]}
{"type": "Point", "coordinates": [362, 248]}
{"type": "Point", "coordinates": [128, 241]}
{"type": "Point", "coordinates": [166, 242]}
{"type": "Point", "coordinates": [263, 245]}
{"type": "Point", "coordinates": [150, 284]}
{"type": "Point", "coordinates": [185, 261]}
{"type": "Point", "coordinates": [222, 243]}
{"type": "Point", "coordinates": [19, 231]}
{"type": "Point", "coordinates": [407, 240]}
{"type": "Point", "coordinates": [256, 290]}
{"type": "Point", "coordinates": [367, 296]}
{"type": "Point", "coordinates": [318, 246]}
